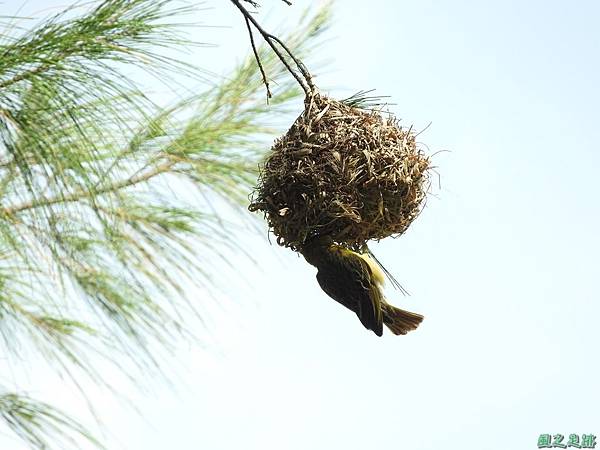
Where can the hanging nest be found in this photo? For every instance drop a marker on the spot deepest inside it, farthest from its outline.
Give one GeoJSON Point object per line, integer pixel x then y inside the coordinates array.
{"type": "Point", "coordinates": [350, 173]}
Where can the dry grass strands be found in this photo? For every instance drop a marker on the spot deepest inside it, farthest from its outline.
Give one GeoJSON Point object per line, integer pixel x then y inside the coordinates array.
{"type": "Point", "coordinates": [342, 171]}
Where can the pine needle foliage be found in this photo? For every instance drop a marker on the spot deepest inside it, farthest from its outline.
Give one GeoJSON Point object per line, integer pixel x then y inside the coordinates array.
{"type": "Point", "coordinates": [97, 239]}
{"type": "Point", "coordinates": [39, 423]}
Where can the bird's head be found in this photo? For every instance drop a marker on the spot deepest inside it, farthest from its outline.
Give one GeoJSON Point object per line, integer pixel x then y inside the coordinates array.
{"type": "Point", "coordinates": [315, 247]}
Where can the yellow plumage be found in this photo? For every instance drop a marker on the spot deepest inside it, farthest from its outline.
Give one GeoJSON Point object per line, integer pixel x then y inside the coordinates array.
{"type": "Point", "coordinates": [376, 271]}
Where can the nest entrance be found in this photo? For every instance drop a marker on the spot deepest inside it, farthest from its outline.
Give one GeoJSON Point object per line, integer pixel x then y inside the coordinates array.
{"type": "Point", "coordinates": [342, 171]}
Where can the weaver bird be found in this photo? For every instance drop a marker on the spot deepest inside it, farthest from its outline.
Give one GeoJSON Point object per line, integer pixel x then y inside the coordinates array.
{"type": "Point", "coordinates": [355, 280]}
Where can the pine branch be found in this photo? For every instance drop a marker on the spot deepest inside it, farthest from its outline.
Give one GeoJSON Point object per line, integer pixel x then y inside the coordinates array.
{"type": "Point", "coordinates": [81, 194]}
{"type": "Point", "coordinates": [94, 239]}
{"type": "Point", "coordinates": [41, 425]}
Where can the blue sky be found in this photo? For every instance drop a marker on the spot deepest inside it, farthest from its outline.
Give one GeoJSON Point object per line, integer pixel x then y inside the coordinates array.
{"type": "Point", "coordinates": [503, 262]}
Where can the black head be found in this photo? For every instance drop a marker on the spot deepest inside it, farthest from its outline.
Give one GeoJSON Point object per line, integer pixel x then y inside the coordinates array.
{"type": "Point", "coordinates": [315, 248]}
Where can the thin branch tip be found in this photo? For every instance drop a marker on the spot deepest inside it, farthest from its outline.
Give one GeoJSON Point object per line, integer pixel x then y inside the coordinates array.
{"type": "Point", "coordinates": [305, 82]}
{"type": "Point", "coordinates": [257, 57]}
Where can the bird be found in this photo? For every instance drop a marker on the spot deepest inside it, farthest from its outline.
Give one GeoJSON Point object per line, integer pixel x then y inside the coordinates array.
{"type": "Point", "coordinates": [355, 280]}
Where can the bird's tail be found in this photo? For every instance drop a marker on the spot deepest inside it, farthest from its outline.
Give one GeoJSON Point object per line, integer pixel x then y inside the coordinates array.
{"type": "Point", "coordinates": [398, 320]}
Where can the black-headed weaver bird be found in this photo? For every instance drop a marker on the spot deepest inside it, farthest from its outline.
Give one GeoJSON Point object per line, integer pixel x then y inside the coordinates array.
{"type": "Point", "coordinates": [355, 280]}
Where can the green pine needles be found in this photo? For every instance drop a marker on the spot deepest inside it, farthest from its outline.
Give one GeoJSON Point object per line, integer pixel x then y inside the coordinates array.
{"type": "Point", "coordinates": [96, 242]}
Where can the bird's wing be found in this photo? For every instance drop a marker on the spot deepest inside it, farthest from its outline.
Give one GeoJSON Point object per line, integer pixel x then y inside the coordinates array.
{"type": "Point", "coordinates": [395, 283]}
{"type": "Point", "coordinates": [348, 280]}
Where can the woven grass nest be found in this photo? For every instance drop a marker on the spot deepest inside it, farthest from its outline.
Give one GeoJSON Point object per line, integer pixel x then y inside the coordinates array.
{"type": "Point", "coordinates": [344, 171]}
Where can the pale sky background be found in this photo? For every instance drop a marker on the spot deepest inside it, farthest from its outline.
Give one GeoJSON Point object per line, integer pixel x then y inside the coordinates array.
{"type": "Point", "coordinates": [503, 262]}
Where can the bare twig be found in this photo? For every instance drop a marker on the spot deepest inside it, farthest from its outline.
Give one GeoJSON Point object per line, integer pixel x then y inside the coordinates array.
{"type": "Point", "coordinates": [306, 84]}
{"type": "Point", "coordinates": [256, 5]}
{"type": "Point", "coordinates": [260, 66]}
